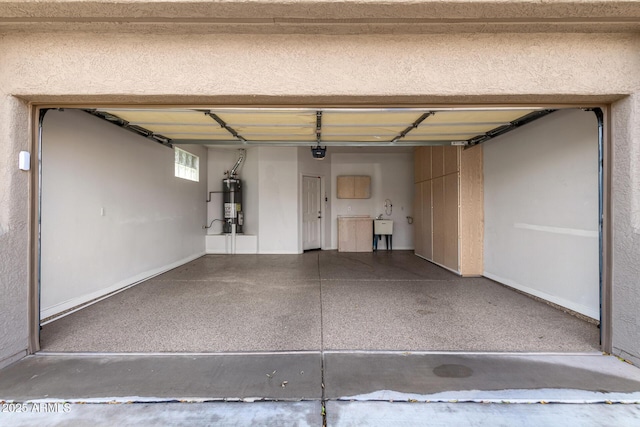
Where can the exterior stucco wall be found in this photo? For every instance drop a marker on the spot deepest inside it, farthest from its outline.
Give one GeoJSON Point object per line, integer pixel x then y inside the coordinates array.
{"type": "Point", "coordinates": [14, 230]}
{"type": "Point", "coordinates": [305, 69]}
{"type": "Point", "coordinates": [626, 233]}
{"type": "Point", "coordinates": [410, 68]}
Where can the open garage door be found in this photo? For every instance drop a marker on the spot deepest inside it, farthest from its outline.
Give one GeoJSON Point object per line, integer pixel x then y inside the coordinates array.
{"type": "Point", "coordinates": [541, 210]}
{"type": "Point", "coordinates": [512, 192]}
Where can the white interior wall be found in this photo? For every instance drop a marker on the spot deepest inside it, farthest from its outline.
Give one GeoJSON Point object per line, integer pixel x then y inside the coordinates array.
{"type": "Point", "coordinates": [391, 178]}
{"type": "Point", "coordinates": [90, 165]}
{"type": "Point", "coordinates": [278, 200]}
{"type": "Point", "coordinates": [271, 178]}
{"type": "Point", "coordinates": [270, 195]}
{"type": "Point", "coordinates": [541, 210]}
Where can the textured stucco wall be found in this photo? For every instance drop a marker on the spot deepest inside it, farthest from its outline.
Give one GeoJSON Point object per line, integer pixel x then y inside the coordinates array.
{"type": "Point", "coordinates": [626, 233]}
{"type": "Point", "coordinates": [409, 68]}
{"type": "Point", "coordinates": [290, 69]}
{"type": "Point", "coordinates": [14, 230]}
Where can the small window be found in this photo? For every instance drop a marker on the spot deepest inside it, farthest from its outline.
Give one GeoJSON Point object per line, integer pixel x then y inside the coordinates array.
{"type": "Point", "coordinates": [187, 165]}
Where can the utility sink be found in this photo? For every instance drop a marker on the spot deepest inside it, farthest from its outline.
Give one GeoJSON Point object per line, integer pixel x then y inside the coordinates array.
{"type": "Point", "coordinates": [383, 226]}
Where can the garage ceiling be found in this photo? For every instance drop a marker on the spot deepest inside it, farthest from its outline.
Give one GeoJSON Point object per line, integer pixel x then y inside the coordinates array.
{"type": "Point", "coordinates": [324, 126]}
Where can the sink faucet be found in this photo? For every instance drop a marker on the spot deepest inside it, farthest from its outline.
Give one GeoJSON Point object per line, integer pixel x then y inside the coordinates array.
{"type": "Point", "coordinates": [379, 216]}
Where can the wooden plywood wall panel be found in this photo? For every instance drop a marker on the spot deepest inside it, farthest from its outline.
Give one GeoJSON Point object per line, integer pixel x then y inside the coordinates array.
{"type": "Point", "coordinates": [437, 161]}
{"type": "Point", "coordinates": [417, 220]}
{"type": "Point", "coordinates": [422, 164]}
{"type": "Point", "coordinates": [427, 229]}
{"type": "Point", "coordinates": [451, 159]}
{"type": "Point", "coordinates": [472, 212]}
{"type": "Point", "coordinates": [451, 220]}
{"type": "Point", "coordinates": [438, 219]}
{"type": "Point", "coordinates": [417, 164]}
{"type": "Point", "coordinates": [426, 163]}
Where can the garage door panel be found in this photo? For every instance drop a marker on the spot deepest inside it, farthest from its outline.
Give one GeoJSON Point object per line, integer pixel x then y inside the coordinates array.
{"type": "Point", "coordinates": [148, 117]}
{"type": "Point", "coordinates": [267, 117]}
{"type": "Point", "coordinates": [476, 116]}
{"type": "Point", "coordinates": [371, 118]}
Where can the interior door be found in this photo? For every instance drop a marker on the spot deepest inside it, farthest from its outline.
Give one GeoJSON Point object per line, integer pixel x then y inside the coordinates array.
{"type": "Point", "coordinates": [311, 213]}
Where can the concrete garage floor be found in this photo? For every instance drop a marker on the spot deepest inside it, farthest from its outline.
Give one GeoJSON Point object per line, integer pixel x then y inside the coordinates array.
{"type": "Point", "coordinates": [355, 389]}
{"type": "Point", "coordinates": [317, 301]}
{"type": "Point", "coordinates": [330, 311]}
